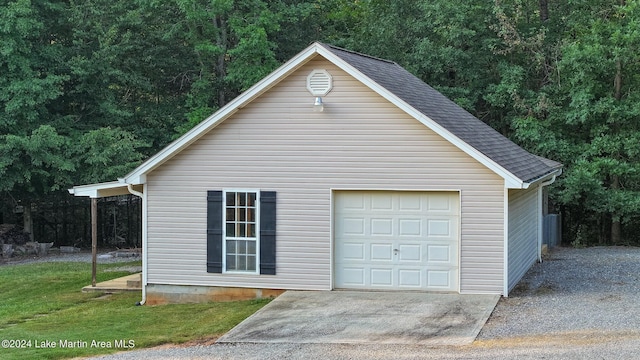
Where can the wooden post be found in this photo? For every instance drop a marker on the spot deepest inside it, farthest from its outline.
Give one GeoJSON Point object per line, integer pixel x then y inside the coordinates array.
{"type": "Point", "coordinates": [94, 239]}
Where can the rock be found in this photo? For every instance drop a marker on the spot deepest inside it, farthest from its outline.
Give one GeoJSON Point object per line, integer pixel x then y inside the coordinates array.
{"type": "Point", "coordinates": [20, 250]}
{"type": "Point", "coordinates": [7, 250]}
{"type": "Point", "coordinates": [43, 248]}
{"type": "Point", "coordinates": [31, 247]}
{"type": "Point", "coordinates": [69, 249]}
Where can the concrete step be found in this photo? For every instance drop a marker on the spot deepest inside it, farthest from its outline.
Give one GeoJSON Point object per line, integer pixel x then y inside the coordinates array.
{"type": "Point", "coordinates": [135, 283]}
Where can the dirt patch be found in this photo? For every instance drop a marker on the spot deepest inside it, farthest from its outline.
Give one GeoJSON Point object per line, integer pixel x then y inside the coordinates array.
{"type": "Point", "coordinates": [561, 339]}
{"type": "Point", "coordinates": [210, 340]}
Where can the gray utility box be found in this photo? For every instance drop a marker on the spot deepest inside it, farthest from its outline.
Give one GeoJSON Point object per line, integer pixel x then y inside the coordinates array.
{"type": "Point", "coordinates": [552, 230]}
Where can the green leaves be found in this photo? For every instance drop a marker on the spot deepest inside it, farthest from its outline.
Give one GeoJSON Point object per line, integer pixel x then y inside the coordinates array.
{"type": "Point", "coordinates": [598, 111]}
{"type": "Point", "coordinates": [25, 58]}
{"type": "Point", "coordinates": [38, 162]}
{"type": "Point", "coordinates": [107, 154]}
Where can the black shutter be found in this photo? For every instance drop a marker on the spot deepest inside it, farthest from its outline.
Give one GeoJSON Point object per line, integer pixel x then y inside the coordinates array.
{"type": "Point", "coordinates": [214, 231]}
{"type": "Point", "coordinates": [268, 232]}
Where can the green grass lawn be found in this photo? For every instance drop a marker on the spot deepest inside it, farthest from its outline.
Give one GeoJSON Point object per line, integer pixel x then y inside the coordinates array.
{"type": "Point", "coordinates": [43, 310]}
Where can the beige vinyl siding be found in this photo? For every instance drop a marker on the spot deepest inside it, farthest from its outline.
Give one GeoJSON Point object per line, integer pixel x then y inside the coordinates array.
{"type": "Point", "coordinates": [523, 232]}
{"type": "Point", "coordinates": [278, 143]}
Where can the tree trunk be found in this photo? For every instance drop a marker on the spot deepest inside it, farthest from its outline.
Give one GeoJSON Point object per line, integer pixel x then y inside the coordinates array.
{"type": "Point", "coordinates": [544, 10]}
{"type": "Point", "coordinates": [617, 82]}
{"type": "Point", "coordinates": [616, 228]}
{"type": "Point", "coordinates": [28, 220]}
{"type": "Point", "coordinates": [615, 179]}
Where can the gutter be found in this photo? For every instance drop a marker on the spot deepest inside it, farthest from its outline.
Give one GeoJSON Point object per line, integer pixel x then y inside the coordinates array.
{"type": "Point", "coordinates": [144, 245]}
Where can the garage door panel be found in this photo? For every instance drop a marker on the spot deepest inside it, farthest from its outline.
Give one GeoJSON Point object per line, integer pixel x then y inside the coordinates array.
{"type": "Point", "coordinates": [442, 203]}
{"type": "Point", "coordinates": [381, 252]}
{"type": "Point", "coordinates": [411, 203]}
{"type": "Point", "coordinates": [381, 226]}
{"type": "Point", "coordinates": [441, 254]}
{"type": "Point", "coordinates": [410, 227]}
{"type": "Point", "coordinates": [411, 278]}
{"type": "Point", "coordinates": [353, 277]}
{"type": "Point", "coordinates": [353, 226]}
{"type": "Point", "coordinates": [439, 279]}
{"type": "Point", "coordinates": [396, 240]}
{"type": "Point", "coordinates": [381, 202]}
{"type": "Point", "coordinates": [410, 252]}
{"type": "Point", "coordinates": [441, 228]}
{"type": "Point", "coordinates": [381, 277]}
{"type": "Point", "coordinates": [351, 201]}
{"type": "Point", "coordinates": [352, 251]}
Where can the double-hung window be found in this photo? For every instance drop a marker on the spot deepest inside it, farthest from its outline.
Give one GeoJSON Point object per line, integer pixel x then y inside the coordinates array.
{"type": "Point", "coordinates": [241, 231]}
{"type": "Point", "coordinates": [241, 234]}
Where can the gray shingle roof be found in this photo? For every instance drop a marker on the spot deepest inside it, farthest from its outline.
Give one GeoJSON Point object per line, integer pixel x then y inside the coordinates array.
{"type": "Point", "coordinates": [449, 115]}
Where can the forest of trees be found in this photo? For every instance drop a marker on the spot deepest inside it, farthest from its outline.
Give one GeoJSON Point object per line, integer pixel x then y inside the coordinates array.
{"type": "Point", "coordinates": [90, 88]}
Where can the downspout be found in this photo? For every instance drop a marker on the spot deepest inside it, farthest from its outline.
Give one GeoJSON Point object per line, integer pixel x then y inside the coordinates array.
{"type": "Point", "coordinates": [144, 244]}
{"type": "Point", "coordinates": [540, 224]}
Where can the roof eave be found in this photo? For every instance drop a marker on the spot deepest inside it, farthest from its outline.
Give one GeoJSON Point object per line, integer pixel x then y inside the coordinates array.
{"type": "Point", "coordinates": [541, 179]}
{"type": "Point", "coordinates": [100, 190]}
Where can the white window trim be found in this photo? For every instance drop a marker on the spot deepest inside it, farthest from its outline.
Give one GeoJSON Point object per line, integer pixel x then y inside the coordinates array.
{"type": "Point", "coordinates": [224, 230]}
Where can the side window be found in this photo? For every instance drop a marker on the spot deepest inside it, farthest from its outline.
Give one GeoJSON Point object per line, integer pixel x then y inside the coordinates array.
{"type": "Point", "coordinates": [241, 224]}
{"type": "Point", "coordinates": [241, 231]}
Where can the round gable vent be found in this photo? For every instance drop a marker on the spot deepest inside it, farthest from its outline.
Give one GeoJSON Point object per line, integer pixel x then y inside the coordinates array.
{"type": "Point", "coordinates": [319, 82]}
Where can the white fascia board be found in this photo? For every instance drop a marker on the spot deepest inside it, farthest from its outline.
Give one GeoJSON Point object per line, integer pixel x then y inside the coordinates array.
{"type": "Point", "coordinates": [138, 175]}
{"type": "Point", "coordinates": [511, 181]}
{"type": "Point", "coordinates": [95, 190]}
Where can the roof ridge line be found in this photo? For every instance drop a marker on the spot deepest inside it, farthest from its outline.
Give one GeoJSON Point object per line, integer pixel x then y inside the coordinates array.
{"type": "Point", "coordinates": [359, 54]}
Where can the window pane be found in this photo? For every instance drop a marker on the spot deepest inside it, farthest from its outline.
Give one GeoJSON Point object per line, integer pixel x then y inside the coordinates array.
{"type": "Point", "coordinates": [231, 246]}
{"type": "Point", "coordinates": [231, 230]}
{"type": "Point", "coordinates": [251, 263]}
{"type": "Point", "coordinates": [231, 214]}
{"type": "Point", "coordinates": [231, 262]}
{"type": "Point", "coordinates": [241, 222]}
{"type": "Point", "coordinates": [231, 199]}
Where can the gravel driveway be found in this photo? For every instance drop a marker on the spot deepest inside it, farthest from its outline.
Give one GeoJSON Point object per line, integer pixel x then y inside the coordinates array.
{"type": "Point", "coordinates": [578, 304]}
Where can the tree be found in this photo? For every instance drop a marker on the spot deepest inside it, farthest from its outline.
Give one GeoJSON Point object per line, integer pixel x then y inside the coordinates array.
{"type": "Point", "coordinates": [31, 78]}
{"type": "Point", "coordinates": [591, 123]}
{"type": "Point", "coordinates": [446, 44]}
{"type": "Point", "coordinates": [29, 64]}
{"type": "Point", "coordinates": [230, 42]}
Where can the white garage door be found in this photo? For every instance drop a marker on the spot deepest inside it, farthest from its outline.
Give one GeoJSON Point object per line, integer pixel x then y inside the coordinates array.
{"type": "Point", "coordinates": [396, 240]}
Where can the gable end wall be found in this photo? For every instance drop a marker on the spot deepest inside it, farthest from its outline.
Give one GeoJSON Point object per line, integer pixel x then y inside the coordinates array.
{"type": "Point", "coordinates": [277, 142]}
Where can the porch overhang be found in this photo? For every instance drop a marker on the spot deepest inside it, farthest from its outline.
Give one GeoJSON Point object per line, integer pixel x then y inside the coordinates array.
{"type": "Point", "coordinates": [106, 189]}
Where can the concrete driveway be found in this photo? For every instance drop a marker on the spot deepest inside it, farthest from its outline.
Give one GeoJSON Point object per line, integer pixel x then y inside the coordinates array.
{"type": "Point", "coordinates": [364, 317]}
